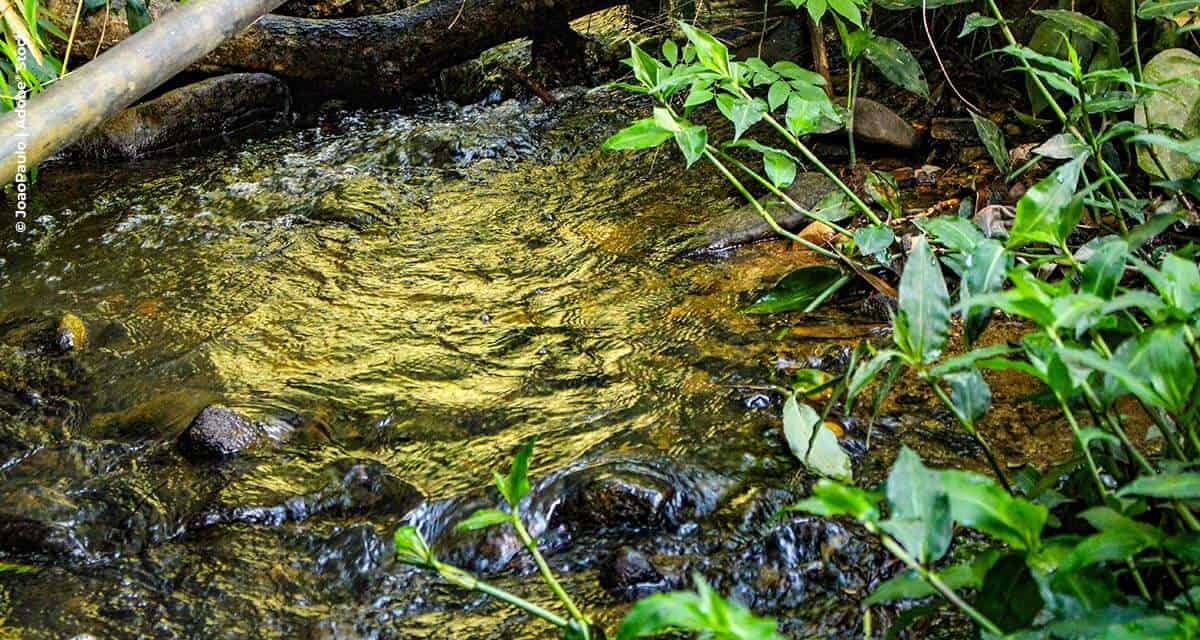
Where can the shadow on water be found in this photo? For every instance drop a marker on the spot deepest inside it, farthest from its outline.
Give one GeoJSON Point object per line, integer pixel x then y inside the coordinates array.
{"type": "Point", "coordinates": [416, 295]}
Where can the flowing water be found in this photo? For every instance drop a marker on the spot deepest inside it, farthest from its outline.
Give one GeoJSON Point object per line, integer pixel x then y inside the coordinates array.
{"type": "Point", "coordinates": [416, 295]}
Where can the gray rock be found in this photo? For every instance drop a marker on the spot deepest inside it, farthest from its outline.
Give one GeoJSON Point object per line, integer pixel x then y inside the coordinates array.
{"type": "Point", "coordinates": [745, 225]}
{"type": "Point", "coordinates": [877, 124]}
{"type": "Point", "coordinates": [220, 432]}
{"type": "Point", "coordinates": [1178, 107]}
{"type": "Point", "coordinates": [192, 114]}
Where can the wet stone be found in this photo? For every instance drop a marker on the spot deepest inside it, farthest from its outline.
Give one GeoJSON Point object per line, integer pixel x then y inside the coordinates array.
{"type": "Point", "coordinates": [219, 432]}
{"type": "Point", "coordinates": [71, 334]}
{"type": "Point", "coordinates": [877, 124]}
{"type": "Point", "coordinates": [628, 573]}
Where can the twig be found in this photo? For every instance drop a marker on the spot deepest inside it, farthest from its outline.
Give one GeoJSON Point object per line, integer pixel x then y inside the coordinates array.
{"type": "Point", "coordinates": [938, 56]}
{"type": "Point", "coordinates": [536, 87]}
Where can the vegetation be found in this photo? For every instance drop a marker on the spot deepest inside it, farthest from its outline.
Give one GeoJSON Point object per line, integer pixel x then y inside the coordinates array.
{"type": "Point", "coordinates": [1103, 544]}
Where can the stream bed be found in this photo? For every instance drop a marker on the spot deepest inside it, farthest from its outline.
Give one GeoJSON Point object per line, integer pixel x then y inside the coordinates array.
{"type": "Point", "coordinates": [410, 297]}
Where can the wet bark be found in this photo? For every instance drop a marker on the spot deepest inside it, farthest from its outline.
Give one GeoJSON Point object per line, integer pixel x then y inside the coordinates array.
{"type": "Point", "coordinates": [393, 54]}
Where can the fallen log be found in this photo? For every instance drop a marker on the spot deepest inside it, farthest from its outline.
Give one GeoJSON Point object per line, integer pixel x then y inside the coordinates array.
{"type": "Point", "coordinates": [84, 99]}
{"type": "Point", "coordinates": [393, 54]}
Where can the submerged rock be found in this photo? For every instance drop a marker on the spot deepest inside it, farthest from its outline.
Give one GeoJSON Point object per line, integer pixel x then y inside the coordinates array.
{"type": "Point", "coordinates": [220, 432]}
{"type": "Point", "coordinates": [191, 114]}
{"type": "Point", "coordinates": [628, 573]}
{"type": "Point", "coordinates": [745, 225]}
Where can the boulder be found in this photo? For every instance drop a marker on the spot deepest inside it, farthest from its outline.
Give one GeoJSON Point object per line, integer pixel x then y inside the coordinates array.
{"type": "Point", "coordinates": [1178, 107]}
{"type": "Point", "coordinates": [877, 124]}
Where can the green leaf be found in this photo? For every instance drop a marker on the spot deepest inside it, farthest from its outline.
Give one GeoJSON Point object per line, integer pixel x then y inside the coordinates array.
{"type": "Point", "coordinates": [1049, 211]}
{"type": "Point", "coordinates": [953, 232]}
{"type": "Point", "coordinates": [743, 113]}
{"type": "Point", "coordinates": [1103, 270]}
{"type": "Point", "coordinates": [411, 547]}
{"type": "Point", "coordinates": [883, 189]}
{"type": "Point", "coordinates": [1120, 538]}
{"type": "Point", "coordinates": [1009, 595]}
{"type": "Point", "coordinates": [801, 290]}
{"type": "Point", "coordinates": [136, 15]}
{"type": "Point", "coordinates": [778, 94]}
{"type": "Point", "coordinates": [712, 54]}
{"type": "Point", "coordinates": [482, 519]}
{"type": "Point", "coordinates": [873, 239]}
{"type": "Point", "coordinates": [993, 141]}
{"type": "Point", "coordinates": [865, 373]}
{"type": "Point", "coordinates": [923, 315]}
{"type": "Point", "coordinates": [670, 51]}
{"type": "Point", "coordinates": [897, 64]}
{"type": "Point", "coordinates": [978, 502]}
{"type": "Point", "coordinates": [920, 517]}
{"type": "Point", "coordinates": [780, 168]}
{"type": "Point", "coordinates": [515, 486]}
{"type": "Point", "coordinates": [909, 585]}
{"type": "Point", "coordinates": [986, 266]}
{"type": "Point", "coordinates": [692, 141]}
{"type": "Point", "coordinates": [848, 10]}
{"type": "Point", "coordinates": [813, 443]}
{"type": "Point", "coordinates": [1168, 485]}
{"type": "Point", "coordinates": [643, 134]}
{"type": "Point", "coordinates": [974, 22]}
{"type": "Point", "coordinates": [703, 612]}
{"type": "Point", "coordinates": [830, 498]}
{"type": "Point", "coordinates": [970, 394]}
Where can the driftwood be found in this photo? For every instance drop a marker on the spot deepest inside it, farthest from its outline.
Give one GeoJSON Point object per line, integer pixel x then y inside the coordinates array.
{"type": "Point", "coordinates": [84, 99]}
{"type": "Point", "coordinates": [392, 54]}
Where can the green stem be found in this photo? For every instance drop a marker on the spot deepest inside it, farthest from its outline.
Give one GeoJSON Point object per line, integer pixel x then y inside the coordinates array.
{"type": "Point", "coordinates": [969, 427]}
{"type": "Point", "coordinates": [547, 574]}
{"type": "Point", "coordinates": [936, 582]}
{"type": "Point", "coordinates": [855, 74]}
{"type": "Point", "coordinates": [468, 581]}
{"type": "Point", "coordinates": [770, 220]}
{"type": "Point", "coordinates": [782, 195]}
{"type": "Point", "coordinates": [811, 157]}
{"type": "Point", "coordinates": [1083, 445]}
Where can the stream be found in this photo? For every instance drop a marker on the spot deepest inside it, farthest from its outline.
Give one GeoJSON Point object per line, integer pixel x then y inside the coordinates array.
{"type": "Point", "coordinates": [411, 296]}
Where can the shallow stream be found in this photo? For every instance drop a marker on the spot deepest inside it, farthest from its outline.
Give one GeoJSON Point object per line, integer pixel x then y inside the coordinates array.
{"type": "Point", "coordinates": [416, 295]}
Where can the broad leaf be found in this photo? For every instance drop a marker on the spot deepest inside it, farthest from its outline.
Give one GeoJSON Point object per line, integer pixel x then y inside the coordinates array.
{"type": "Point", "coordinates": [813, 443]}
{"type": "Point", "coordinates": [897, 64]}
{"type": "Point", "coordinates": [978, 502]}
{"type": "Point", "coordinates": [923, 315]}
{"type": "Point", "coordinates": [801, 290]}
{"type": "Point", "coordinates": [1049, 211]}
{"type": "Point", "coordinates": [920, 516]}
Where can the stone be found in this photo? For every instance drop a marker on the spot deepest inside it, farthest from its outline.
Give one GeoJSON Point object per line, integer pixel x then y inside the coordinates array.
{"type": "Point", "coordinates": [191, 114]}
{"type": "Point", "coordinates": [71, 333]}
{"type": "Point", "coordinates": [745, 225]}
{"type": "Point", "coordinates": [1177, 107]}
{"type": "Point", "coordinates": [629, 573]}
{"type": "Point", "coordinates": [877, 124]}
{"type": "Point", "coordinates": [219, 432]}
{"type": "Point", "coordinates": [953, 130]}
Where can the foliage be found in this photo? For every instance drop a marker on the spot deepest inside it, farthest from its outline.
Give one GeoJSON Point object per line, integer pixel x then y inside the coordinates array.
{"type": "Point", "coordinates": [704, 611]}
{"type": "Point", "coordinates": [1102, 544]}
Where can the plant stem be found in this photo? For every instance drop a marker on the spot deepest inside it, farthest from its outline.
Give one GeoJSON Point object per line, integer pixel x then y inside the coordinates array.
{"type": "Point", "coordinates": [855, 74]}
{"type": "Point", "coordinates": [1083, 445]}
{"type": "Point", "coordinates": [782, 195]}
{"type": "Point", "coordinates": [936, 582]}
{"type": "Point", "coordinates": [811, 157]}
{"type": "Point", "coordinates": [547, 574]}
{"type": "Point", "coordinates": [770, 220]}
{"type": "Point", "coordinates": [969, 427]}
{"type": "Point", "coordinates": [469, 581]}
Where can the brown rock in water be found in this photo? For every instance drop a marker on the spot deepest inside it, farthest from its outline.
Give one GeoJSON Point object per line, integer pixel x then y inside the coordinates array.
{"type": "Point", "coordinates": [877, 124]}
{"type": "Point", "coordinates": [191, 114]}
{"type": "Point", "coordinates": [220, 432]}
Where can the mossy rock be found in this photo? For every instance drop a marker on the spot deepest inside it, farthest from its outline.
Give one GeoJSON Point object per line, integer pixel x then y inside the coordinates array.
{"type": "Point", "coordinates": [1178, 107]}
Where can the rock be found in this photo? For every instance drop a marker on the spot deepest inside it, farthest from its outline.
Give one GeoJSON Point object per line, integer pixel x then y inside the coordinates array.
{"type": "Point", "coordinates": [628, 573]}
{"type": "Point", "coordinates": [219, 432]}
{"type": "Point", "coordinates": [191, 114]}
{"type": "Point", "coordinates": [953, 130]}
{"type": "Point", "coordinates": [1177, 107]}
{"type": "Point", "coordinates": [339, 8]}
{"type": "Point", "coordinates": [71, 334]}
{"type": "Point", "coordinates": [877, 124]}
{"type": "Point", "coordinates": [745, 225]}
